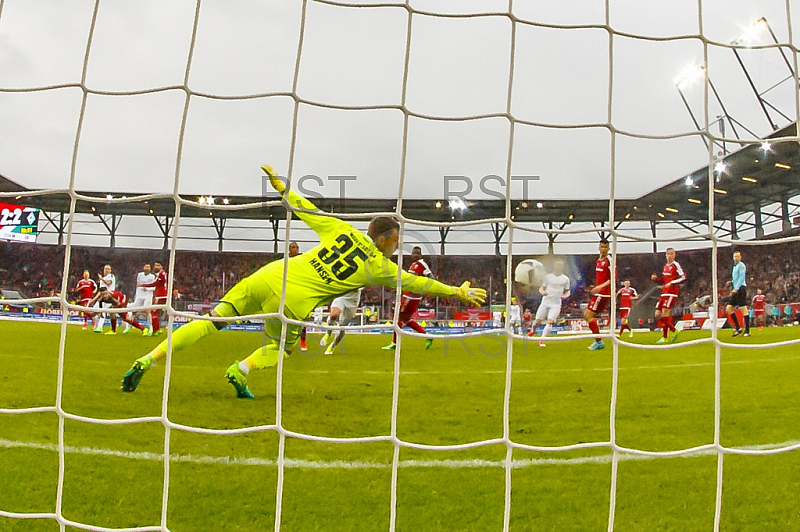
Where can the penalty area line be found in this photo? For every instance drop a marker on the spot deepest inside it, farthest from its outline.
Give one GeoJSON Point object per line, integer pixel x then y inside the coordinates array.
{"type": "Point", "coordinates": [359, 464]}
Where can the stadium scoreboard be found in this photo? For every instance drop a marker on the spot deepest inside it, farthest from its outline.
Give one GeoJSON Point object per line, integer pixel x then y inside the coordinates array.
{"type": "Point", "coordinates": [18, 223]}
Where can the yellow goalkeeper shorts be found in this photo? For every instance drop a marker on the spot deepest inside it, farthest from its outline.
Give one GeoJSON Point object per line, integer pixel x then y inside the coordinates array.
{"type": "Point", "coordinates": [251, 297]}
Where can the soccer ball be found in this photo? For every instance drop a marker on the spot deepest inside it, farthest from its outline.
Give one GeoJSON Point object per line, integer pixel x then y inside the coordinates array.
{"type": "Point", "coordinates": [530, 273]}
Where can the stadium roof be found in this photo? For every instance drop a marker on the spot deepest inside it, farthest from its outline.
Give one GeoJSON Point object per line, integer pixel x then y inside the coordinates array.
{"type": "Point", "coordinates": [752, 177]}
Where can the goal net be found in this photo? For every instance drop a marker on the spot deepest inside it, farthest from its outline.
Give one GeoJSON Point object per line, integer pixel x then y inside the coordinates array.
{"type": "Point", "coordinates": [502, 130]}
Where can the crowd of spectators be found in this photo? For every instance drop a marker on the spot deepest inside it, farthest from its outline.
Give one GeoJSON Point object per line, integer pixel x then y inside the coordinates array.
{"type": "Point", "coordinates": [36, 270]}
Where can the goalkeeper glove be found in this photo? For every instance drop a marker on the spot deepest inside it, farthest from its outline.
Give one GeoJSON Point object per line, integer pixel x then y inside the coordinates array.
{"type": "Point", "coordinates": [471, 296]}
{"type": "Point", "coordinates": [276, 182]}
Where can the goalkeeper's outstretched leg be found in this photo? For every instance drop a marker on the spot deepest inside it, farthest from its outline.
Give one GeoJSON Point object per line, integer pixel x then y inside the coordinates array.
{"type": "Point", "coordinates": [245, 298]}
{"type": "Point", "coordinates": [183, 337]}
{"type": "Point", "coordinates": [265, 356]}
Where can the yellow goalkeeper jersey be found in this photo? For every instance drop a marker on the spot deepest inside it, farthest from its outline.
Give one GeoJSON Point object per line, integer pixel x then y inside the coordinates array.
{"type": "Point", "coordinates": [344, 260]}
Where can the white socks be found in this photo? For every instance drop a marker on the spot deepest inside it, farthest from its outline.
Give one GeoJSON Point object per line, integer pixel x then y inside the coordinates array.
{"type": "Point", "coordinates": [546, 330]}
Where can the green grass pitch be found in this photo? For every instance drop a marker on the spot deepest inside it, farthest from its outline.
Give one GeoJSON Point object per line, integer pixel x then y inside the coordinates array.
{"type": "Point", "coordinates": [451, 394]}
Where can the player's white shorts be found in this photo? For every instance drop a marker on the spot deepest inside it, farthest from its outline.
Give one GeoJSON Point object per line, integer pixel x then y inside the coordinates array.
{"type": "Point", "coordinates": [347, 306]}
{"type": "Point", "coordinates": [142, 300]}
{"type": "Point", "coordinates": [548, 312]}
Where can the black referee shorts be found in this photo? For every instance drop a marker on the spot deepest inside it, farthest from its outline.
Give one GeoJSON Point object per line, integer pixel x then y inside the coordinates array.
{"type": "Point", "coordinates": [739, 299]}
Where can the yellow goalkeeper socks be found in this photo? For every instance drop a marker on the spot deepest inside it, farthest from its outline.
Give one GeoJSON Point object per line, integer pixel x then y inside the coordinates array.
{"type": "Point", "coordinates": [184, 337]}
{"type": "Point", "coordinates": [263, 357]}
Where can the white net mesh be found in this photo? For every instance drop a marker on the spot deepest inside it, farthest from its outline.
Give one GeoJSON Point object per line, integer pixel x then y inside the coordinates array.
{"type": "Point", "coordinates": [516, 24]}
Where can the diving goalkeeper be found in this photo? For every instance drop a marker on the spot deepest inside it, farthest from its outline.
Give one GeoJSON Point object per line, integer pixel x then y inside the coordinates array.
{"type": "Point", "coordinates": [343, 261]}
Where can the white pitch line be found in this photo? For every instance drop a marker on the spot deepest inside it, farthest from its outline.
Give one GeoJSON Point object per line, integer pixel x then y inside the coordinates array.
{"type": "Point", "coordinates": [550, 370]}
{"type": "Point", "coordinates": [342, 464]}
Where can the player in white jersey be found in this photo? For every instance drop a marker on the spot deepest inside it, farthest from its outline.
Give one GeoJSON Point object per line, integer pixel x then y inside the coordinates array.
{"type": "Point", "coordinates": [343, 310]}
{"type": "Point", "coordinates": [144, 297]}
{"type": "Point", "coordinates": [108, 281]}
{"type": "Point", "coordinates": [515, 316]}
{"type": "Point", "coordinates": [497, 318]}
{"type": "Point", "coordinates": [555, 289]}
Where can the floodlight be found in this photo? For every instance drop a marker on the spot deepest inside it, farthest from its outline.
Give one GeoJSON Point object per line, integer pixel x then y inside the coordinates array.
{"type": "Point", "coordinates": [752, 32]}
{"type": "Point", "coordinates": [690, 74]}
{"type": "Point", "coordinates": [457, 204]}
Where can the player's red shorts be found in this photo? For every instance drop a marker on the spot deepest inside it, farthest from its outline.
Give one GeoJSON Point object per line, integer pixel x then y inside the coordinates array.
{"type": "Point", "coordinates": [623, 313]}
{"type": "Point", "coordinates": [599, 303]}
{"type": "Point", "coordinates": [160, 300]}
{"type": "Point", "coordinates": [759, 311]}
{"type": "Point", "coordinates": [407, 309]}
{"type": "Point", "coordinates": [666, 301]}
{"type": "Point", "coordinates": [85, 302]}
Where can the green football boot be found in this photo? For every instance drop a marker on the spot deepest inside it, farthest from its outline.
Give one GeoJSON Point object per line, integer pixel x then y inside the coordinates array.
{"type": "Point", "coordinates": [239, 381]}
{"type": "Point", "coordinates": [134, 375]}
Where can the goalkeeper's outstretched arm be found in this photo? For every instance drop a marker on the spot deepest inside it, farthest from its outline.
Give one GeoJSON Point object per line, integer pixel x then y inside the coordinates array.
{"type": "Point", "coordinates": [319, 223]}
{"type": "Point", "coordinates": [384, 272]}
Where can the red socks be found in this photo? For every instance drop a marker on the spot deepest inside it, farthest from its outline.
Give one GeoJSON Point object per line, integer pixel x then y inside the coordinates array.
{"type": "Point", "coordinates": [416, 327]}
{"type": "Point", "coordinates": [665, 323]}
{"type": "Point", "coordinates": [595, 328]}
{"type": "Point", "coordinates": [410, 323]}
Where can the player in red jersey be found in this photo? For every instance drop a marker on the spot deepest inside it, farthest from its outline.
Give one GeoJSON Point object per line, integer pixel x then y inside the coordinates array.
{"type": "Point", "coordinates": [159, 295]}
{"type": "Point", "coordinates": [410, 301]}
{"type": "Point", "coordinates": [116, 300]}
{"type": "Point", "coordinates": [626, 294]}
{"type": "Point", "coordinates": [601, 293]}
{"type": "Point", "coordinates": [759, 309]}
{"type": "Point", "coordinates": [294, 250]}
{"type": "Point", "coordinates": [527, 320]}
{"type": "Point", "coordinates": [86, 288]}
{"type": "Point", "coordinates": [671, 278]}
